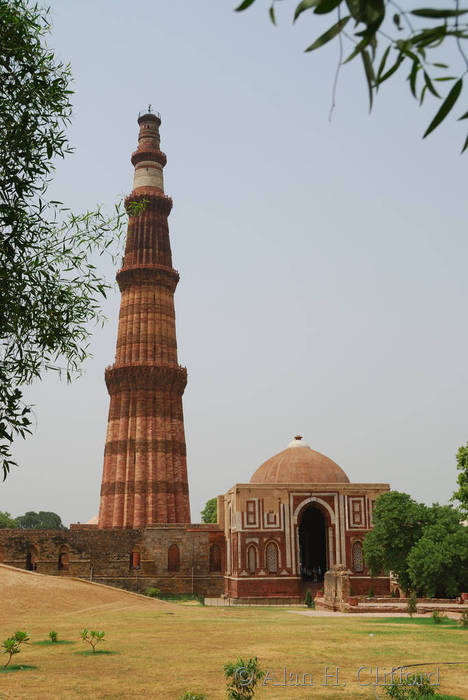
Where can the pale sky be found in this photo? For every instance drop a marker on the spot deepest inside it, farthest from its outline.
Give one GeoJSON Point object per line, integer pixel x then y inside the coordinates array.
{"type": "Point", "coordinates": [323, 266]}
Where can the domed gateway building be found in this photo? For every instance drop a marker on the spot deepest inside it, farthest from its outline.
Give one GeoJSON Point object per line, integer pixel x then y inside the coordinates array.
{"type": "Point", "coordinates": [299, 516]}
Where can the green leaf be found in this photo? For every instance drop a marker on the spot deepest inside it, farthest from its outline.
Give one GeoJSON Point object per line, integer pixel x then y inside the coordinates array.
{"type": "Point", "coordinates": [326, 6]}
{"type": "Point", "coordinates": [433, 13]}
{"type": "Point", "coordinates": [445, 107]}
{"type": "Point", "coordinates": [304, 5]}
{"type": "Point", "coordinates": [393, 69]}
{"type": "Point", "coordinates": [465, 146]}
{"type": "Point", "coordinates": [272, 14]}
{"type": "Point", "coordinates": [440, 65]}
{"type": "Point", "coordinates": [358, 49]}
{"type": "Point", "coordinates": [423, 92]}
{"type": "Point", "coordinates": [369, 71]}
{"type": "Point", "coordinates": [383, 62]}
{"type": "Point", "coordinates": [413, 76]}
{"type": "Point", "coordinates": [430, 86]}
{"type": "Point", "coordinates": [464, 116]}
{"type": "Point", "coordinates": [329, 34]}
{"type": "Point", "coordinates": [244, 5]}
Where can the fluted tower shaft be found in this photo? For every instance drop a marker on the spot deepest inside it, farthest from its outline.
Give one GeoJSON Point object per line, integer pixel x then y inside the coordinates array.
{"type": "Point", "coordinates": [145, 473]}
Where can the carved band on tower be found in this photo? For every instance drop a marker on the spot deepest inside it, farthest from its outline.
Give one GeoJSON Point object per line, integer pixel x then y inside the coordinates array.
{"type": "Point", "coordinates": [145, 472]}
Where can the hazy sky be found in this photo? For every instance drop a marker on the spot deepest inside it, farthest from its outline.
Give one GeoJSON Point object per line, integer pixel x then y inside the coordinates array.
{"type": "Point", "coordinates": [323, 265]}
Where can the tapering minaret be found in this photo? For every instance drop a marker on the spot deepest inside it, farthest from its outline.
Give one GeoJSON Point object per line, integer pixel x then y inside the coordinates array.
{"type": "Point", "coordinates": [145, 473]}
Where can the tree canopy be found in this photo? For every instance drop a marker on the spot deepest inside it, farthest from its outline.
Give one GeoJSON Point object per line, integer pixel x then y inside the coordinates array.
{"type": "Point", "coordinates": [50, 290]}
{"type": "Point", "coordinates": [209, 513]}
{"type": "Point", "coordinates": [461, 494]}
{"type": "Point", "coordinates": [426, 547]}
{"type": "Point", "coordinates": [6, 520]}
{"type": "Point", "coordinates": [390, 37]}
{"type": "Point", "coordinates": [43, 520]}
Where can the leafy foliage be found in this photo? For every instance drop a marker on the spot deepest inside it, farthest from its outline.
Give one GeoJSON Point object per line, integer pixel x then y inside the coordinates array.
{"type": "Point", "coordinates": [438, 618]}
{"type": "Point", "coordinates": [398, 522]}
{"type": "Point", "coordinates": [12, 645]}
{"type": "Point", "coordinates": [438, 562]}
{"type": "Point", "coordinates": [210, 511]}
{"type": "Point", "coordinates": [49, 287]}
{"type": "Point", "coordinates": [192, 696]}
{"type": "Point", "coordinates": [53, 636]}
{"type": "Point", "coordinates": [242, 677]}
{"type": "Point", "coordinates": [388, 38]}
{"type": "Point", "coordinates": [6, 520]}
{"type": "Point", "coordinates": [425, 547]}
{"type": "Point", "coordinates": [461, 494]}
{"type": "Point", "coordinates": [92, 637]}
{"type": "Point", "coordinates": [412, 605]}
{"type": "Point", "coordinates": [43, 520]}
{"type": "Point", "coordinates": [411, 688]}
{"type": "Point", "coordinates": [308, 600]}
{"type": "Point", "coordinates": [153, 592]}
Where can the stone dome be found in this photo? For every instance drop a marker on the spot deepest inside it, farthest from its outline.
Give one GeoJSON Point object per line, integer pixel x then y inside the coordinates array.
{"type": "Point", "coordinates": [299, 464]}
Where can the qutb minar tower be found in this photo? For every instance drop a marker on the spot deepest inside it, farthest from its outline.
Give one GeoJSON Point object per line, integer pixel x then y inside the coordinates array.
{"type": "Point", "coordinates": [145, 472]}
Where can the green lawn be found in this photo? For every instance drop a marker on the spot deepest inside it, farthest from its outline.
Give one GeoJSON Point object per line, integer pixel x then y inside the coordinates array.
{"type": "Point", "coordinates": [162, 649]}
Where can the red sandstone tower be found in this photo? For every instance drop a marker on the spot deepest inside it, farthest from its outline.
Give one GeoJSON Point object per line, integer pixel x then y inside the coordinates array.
{"type": "Point", "coordinates": [145, 473]}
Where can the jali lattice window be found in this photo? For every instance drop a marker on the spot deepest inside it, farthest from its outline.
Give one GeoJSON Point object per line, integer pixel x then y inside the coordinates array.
{"type": "Point", "coordinates": [271, 558]}
{"type": "Point", "coordinates": [358, 557]}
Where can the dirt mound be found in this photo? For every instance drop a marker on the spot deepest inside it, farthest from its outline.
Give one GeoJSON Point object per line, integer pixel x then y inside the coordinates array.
{"type": "Point", "coordinates": [24, 592]}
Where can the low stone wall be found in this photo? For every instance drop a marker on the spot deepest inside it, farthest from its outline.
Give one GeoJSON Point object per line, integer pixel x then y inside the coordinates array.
{"type": "Point", "coordinates": [105, 556]}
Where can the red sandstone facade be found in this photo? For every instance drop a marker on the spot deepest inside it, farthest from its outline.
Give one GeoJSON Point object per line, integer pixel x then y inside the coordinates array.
{"type": "Point", "coordinates": [299, 516]}
{"type": "Point", "coordinates": [144, 478]}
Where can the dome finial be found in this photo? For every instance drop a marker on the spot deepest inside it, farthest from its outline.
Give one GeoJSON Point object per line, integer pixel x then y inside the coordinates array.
{"type": "Point", "coordinates": [298, 442]}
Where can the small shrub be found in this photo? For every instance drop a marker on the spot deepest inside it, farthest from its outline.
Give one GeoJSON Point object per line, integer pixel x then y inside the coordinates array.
{"type": "Point", "coordinates": [411, 688]}
{"type": "Point", "coordinates": [192, 696]}
{"type": "Point", "coordinates": [371, 592]}
{"type": "Point", "coordinates": [412, 604]}
{"type": "Point", "coordinates": [393, 593]}
{"type": "Point", "coordinates": [464, 618]}
{"type": "Point", "coordinates": [438, 617]}
{"type": "Point", "coordinates": [308, 600]}
{"type": "Point", "coordinates": [242, 677]}
{"type": "Point", "coordinates": [53, 637]}
{"type": "Point", "coordinates": [11, 646]}
{"type": "Point", "coordinates": [153, 592]}
{"type": "Point", "coordinates": [92, 637]}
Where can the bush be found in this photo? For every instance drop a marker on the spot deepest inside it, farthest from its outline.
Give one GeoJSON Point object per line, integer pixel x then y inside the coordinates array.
{"type": "Point", "coordinates": [53, 637]}
{"type": "Point", "coordinates": [412, 604]}
{"type": "Point", "coordinates": [12, 645]}
{"type": "Point", "coordinates": [411, 688]}
{"type": "Point", "coordinates": [153, 592]}
{"type": "Point", "coordinates": [308, 600]}
{"type": "Point", "coordinates": [242, 676]}
{"type": "Point", "coordinates": [464, 618]}
{"type": "Point", "coordinates": [92, 638]}
{"type": "Point", "coordinates": [192, 696]}
{"type": "Point", "coordinates": [438, 617]}
{"type": "Point", "coordinates": [371, 592]}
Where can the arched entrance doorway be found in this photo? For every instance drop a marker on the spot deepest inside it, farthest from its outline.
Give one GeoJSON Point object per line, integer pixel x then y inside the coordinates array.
{"type": "Point", "coordinates": [312, 544]}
